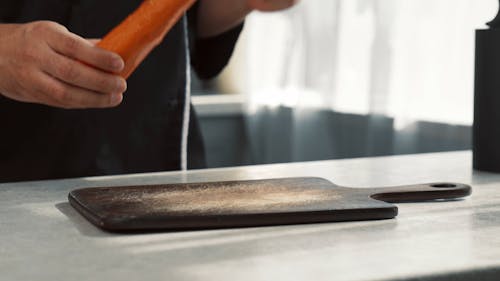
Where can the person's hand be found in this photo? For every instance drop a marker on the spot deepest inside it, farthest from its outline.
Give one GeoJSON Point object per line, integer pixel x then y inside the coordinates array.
{"type": "Point", "coordinates": [42, 62]}
{"type": "Point", "coordinates": [271, 5]}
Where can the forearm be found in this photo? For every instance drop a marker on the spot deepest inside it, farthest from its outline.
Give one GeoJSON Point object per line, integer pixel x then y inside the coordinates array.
{"type": "Point", "coordinates": [218, 16]}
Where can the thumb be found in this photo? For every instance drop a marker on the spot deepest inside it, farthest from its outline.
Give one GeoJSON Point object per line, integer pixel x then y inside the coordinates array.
{"type": "Point", "coordinates": [94, 41]}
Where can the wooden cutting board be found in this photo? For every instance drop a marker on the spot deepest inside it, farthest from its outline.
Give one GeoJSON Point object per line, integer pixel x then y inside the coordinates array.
{"type": "Point", "coordinates": [246, 203]}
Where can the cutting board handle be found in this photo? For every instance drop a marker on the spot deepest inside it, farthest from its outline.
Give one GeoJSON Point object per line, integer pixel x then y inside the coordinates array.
{"type": "Point", "coordinates": [422, 192]}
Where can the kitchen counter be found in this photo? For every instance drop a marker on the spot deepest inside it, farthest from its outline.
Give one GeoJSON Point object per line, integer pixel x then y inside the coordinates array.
{"type": "Point", "coordinates": [43, 238]}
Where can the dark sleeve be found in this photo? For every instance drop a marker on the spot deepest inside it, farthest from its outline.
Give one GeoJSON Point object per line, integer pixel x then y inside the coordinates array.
{"type": "Point", "coordinates": [9, 10]}
{"type": "Point", "coordinates": [209, 56]}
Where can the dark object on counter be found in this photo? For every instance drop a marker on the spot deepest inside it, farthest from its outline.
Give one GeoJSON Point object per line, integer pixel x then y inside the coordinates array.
{"type": "Point", "coordinates": [246, 203]}
{"type": "Point", "coordinates": [486, 128]}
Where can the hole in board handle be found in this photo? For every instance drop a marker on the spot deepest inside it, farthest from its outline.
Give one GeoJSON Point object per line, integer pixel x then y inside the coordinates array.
{"type": "Point", "coordinates": [444, 185]}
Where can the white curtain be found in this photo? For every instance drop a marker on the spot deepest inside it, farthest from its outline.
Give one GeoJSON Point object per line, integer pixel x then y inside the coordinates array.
{"type": "Point", "coordinates": [408, 59]}
{"type": "Point", "coordinates": [349, 78]}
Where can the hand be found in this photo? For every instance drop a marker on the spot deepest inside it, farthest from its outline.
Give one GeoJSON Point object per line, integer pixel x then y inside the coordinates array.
{"type": "Point", "coordinates": [42, 62]}
{"type": "Point", "coordinates": [271, 5]}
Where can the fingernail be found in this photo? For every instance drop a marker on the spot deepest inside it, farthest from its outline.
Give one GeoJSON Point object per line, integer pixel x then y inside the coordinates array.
{"type": "Point", "coordinates": [116, 99]}
{"type": "Point", "coordinates": [118, 64]}
{"type": "Point", "coordinates": [121, 85]}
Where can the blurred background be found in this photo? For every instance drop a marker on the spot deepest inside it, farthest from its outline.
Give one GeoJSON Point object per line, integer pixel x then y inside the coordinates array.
{"type": "Point", "coordinates": [335, 79]}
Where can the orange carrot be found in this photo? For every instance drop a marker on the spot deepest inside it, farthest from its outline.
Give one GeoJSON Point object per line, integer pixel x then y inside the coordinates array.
{"type": "Point", "coordinates": [143, 30]}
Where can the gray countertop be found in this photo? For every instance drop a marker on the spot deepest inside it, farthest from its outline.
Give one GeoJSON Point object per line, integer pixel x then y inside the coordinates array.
{"type": "Point", "coordinates": [43, 238]}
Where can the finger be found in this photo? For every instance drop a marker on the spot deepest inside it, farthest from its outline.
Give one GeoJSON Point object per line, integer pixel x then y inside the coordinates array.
{"type": "Point", "coordinates": [272, 5]}
{"type": "Point", "coordinates": [57, 93]}
{"type": "Point", "coordinates": [81, 75]}
{"type": "Point", "coordinates": [94, 41]}
{"type": "Point", "coordinates": [71, 45]}
{"type": "Point", "coordinates": [40, 90]}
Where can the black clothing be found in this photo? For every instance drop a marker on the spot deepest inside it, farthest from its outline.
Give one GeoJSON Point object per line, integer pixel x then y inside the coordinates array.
{"type": "Point", "coordinates": [143, 134]}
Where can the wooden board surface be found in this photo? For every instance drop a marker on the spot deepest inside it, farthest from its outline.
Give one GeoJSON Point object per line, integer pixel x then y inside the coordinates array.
{"type": "Point", "coordinates": [246, 203]}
